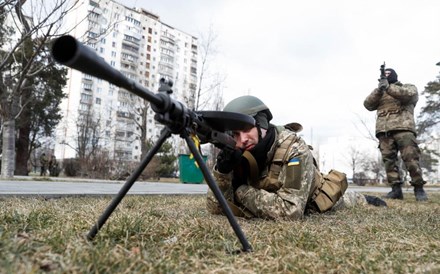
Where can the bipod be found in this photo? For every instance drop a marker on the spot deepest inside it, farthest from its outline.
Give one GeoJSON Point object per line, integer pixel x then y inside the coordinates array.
{"type": "Point", "coordinates": [128, 184]}
{"type": "Point", "coordinates": [166, 133]}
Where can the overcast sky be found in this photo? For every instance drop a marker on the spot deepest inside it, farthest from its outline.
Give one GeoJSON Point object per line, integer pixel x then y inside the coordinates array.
{"type": "Point", "coordinates": [313, 62]}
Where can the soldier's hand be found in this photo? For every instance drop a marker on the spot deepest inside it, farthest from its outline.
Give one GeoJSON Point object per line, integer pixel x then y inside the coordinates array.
{"type": "Point", "coordinates": [227, 160]}
{"type": "Point", "coordinates": [383, 84]}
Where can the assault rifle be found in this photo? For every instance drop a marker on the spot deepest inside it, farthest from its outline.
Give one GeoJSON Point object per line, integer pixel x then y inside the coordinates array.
{"type": "Point", "coordinates": [382, 71]}
{"type": "Point", "coordinates": [208, 126]}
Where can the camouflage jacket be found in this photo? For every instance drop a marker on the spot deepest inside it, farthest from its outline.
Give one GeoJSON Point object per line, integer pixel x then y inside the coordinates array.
{"type": "Point", "coordinates": [283, 196]}
{"type": "Point", "coordinates": [43, 160]}
{"type": "Point", "coordinates": [395, 107]}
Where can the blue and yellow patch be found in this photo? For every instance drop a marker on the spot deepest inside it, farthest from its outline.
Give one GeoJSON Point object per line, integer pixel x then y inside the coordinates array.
{"type": "Point", "coordinates": [293, 162]}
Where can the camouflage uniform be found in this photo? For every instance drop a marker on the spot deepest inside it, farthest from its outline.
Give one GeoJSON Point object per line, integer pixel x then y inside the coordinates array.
{"type": "Point", "coordinates": [395, 129]}
{"type": "Point", "coordinates": [44, 162]}
{"type": "Point", "coordinates": [285, 197]}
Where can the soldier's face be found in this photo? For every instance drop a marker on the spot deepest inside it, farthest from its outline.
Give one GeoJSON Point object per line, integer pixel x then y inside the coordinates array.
{"type": "Point", "coordinates": [247, 139]}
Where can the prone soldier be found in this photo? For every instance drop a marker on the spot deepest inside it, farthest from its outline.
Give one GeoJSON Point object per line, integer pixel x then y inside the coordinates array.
{"type": "Point", "coordinates": [272, 174]}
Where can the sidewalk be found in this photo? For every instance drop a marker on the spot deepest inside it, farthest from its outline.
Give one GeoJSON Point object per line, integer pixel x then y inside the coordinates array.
{"type": "Point", "coordinates": [62, 186]}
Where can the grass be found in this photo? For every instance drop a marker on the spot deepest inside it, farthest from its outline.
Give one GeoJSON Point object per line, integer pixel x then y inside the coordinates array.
{"type": "Point", "coordinates": [175, 234]}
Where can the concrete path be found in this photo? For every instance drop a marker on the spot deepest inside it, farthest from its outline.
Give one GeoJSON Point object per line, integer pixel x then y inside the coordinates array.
{"type": "Point", "coordinates": [59, 187]}
{"type": "Point", "coordinates": [82, 188]}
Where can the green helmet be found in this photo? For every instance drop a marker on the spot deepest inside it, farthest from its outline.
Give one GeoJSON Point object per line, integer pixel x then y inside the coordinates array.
{"type": "Point", "coordinates": [252, 106]}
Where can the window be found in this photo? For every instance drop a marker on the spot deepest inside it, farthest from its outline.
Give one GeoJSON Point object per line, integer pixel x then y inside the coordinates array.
{"type": "Point", "coordinates": [87, 86]}
{"type": "Point", "coordinates": [83, 107]}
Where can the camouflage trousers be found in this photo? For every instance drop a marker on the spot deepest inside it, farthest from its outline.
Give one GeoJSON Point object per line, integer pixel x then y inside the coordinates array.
{"type": "Point", "coordinates": [350, 199]}
{"type": "Point", "coordinates": [390, 144]}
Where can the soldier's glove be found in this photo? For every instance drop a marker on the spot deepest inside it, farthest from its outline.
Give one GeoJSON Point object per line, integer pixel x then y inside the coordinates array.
{"type": "Point", "coordinates": [227, 160]}
{"type": "Point", "coordinates": [383, 84]}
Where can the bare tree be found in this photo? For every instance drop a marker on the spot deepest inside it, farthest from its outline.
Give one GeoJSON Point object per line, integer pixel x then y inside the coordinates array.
{"type": "Point", "coordinates": [373, 165]}
{"type": "Point", "coordinates": [210, 84]}
{"type": "Point", "coordinates": [209, 93]}
{"type": "Point", "coordinates": [138, 111]}
{"type": "Point", "coordinates": [88, 139]}
{"type": "Point", "coordinates": [89, 135]}
{"type": "Point", "coordinates": [364, 129]}
{"type": "Point", "coordinates": [353, 159]}
{"type": "Point", "coordinates": [17, 67]}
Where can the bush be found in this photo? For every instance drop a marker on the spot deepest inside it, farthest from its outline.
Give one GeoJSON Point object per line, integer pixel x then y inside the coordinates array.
{"type": "Point", "coordinates": [71, 167]}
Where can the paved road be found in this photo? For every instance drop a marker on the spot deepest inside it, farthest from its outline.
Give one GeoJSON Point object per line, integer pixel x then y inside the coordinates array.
{"type": "Point", "coordinates": [83, 188]}
{"type": "Point", "coordinates": [59, 187]}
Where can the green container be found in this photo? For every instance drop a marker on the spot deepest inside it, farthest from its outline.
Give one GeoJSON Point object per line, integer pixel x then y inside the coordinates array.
{"type": "Point", "coordinates": [190, 173]}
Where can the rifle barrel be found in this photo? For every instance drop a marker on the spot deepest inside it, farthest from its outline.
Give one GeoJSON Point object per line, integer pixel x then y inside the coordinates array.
{"type": "Point", "coordinates": [70, 52]}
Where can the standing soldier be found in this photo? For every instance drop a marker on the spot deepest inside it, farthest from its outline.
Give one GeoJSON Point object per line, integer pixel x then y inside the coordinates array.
{"type": "Point", "coordinates": [395, 129]}
{"type": "Point", "coordinates": [53, 166]}
{"type": "Point", "coordinates": [43, 162]}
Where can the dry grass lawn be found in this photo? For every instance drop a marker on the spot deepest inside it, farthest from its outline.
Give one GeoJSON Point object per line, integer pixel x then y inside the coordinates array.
{"type": "Point", "coordinates": [175, 234]}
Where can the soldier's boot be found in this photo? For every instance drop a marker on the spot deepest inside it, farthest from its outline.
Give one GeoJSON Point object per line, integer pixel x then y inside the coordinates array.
{"type": "Point", "coordinates": [376, 201]}
{"type": "Point", "coordinates": [420, 193]}
{"type": "Point", "coordinates": [396, 192]}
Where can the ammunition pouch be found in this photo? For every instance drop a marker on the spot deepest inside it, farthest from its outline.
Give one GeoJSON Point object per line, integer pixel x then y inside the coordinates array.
{"type": "Point", "coordinates": [387, 112]}
{"type": "Point", "coordinates": [328, 190]}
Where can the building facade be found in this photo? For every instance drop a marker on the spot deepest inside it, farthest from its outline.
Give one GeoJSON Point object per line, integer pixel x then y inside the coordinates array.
{"type": "Point", "coordinates": [100, 116]}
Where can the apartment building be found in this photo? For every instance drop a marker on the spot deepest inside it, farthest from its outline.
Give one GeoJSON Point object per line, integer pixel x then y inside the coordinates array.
{"type": "Point", "coordinates": [137, 43]}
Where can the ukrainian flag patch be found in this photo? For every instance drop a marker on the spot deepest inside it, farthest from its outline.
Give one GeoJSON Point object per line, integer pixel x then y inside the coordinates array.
{"type": "Point", "coordinates": [293, 162]}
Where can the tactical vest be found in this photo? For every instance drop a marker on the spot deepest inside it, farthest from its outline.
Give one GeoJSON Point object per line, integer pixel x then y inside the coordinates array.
{"type": "Point", "coordinates": [325, 191]}
{"type": "Point", "coordinates": [388, 106]}
{"type": "Point", "coordinates": [395, 108]}
{"type": "Point", "coordinates": [269, 181]}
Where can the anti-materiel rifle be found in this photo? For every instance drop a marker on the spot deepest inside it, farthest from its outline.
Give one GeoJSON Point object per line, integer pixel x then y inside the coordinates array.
{"type": "Point", "coordinates": [209, 126]}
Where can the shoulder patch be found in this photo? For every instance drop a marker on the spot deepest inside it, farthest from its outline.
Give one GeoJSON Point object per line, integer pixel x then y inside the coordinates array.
{"type": "Point", "coordinates": [293, 162]}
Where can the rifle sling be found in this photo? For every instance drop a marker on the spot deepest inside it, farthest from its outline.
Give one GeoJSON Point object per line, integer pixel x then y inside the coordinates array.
{"type": "Point", "coordinates": [253, 166]}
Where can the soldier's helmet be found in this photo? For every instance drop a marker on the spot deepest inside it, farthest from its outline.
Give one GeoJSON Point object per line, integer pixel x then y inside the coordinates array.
{"type": "Point", "coordinates": [251, 106]}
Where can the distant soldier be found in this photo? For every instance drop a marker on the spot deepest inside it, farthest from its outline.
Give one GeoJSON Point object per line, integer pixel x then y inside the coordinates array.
{"type": "Point", "coordinates": [395, 129]}
{"type": "Point", "coordinates": [44, 164]}
{"type": "Point", "coordinates": [272, 174]}
{"type": "Point", "coordinates": [53, 166]}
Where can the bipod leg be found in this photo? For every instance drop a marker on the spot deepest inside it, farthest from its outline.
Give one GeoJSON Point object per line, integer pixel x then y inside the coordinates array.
{"type": "Point", "coordinates": [217, 193]}
{"type": "Point", "coordinates": [129, 183]}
